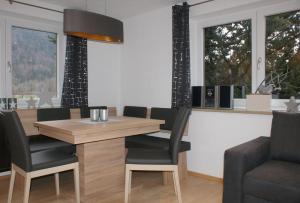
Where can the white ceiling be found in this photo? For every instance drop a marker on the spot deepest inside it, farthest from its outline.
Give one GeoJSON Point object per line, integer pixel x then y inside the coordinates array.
{"type": "Point", "coordinates": [116, 8]}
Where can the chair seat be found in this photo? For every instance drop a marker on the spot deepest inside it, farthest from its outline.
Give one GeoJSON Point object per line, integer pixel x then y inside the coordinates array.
{"type": "Point", "coordinates": [51, 158]}
{"type": "Point", "coordinates": [151, 142]}
{"type": "Point", "coordinates": [148, 156]}
{"type": "Point", "coordinates": [275, 181]}
{"type": "Point", "coordinates": [40, 142]}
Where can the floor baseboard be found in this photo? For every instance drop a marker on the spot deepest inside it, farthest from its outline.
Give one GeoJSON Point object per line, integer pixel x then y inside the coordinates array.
{"type": "Point", "coordinates": [206, 177]}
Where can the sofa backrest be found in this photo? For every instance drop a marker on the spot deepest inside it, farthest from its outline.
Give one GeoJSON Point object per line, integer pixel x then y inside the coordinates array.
{"type": "Point", "coordinates": [285, 136]}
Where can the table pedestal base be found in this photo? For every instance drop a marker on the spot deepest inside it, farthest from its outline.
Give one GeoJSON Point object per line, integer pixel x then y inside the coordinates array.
{"type": "Point", "coordinates": [101, 169]}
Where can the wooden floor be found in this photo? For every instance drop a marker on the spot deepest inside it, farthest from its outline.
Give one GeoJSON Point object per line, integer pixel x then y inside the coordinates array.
{"type": "Point", "coordinates": [147, 188]}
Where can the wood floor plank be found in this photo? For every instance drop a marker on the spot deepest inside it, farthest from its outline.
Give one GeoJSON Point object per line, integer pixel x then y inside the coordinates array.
{"type": "Point", "coordinates": [147, 187]}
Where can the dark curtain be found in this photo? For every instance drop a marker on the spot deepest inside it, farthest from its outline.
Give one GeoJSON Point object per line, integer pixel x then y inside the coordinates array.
{"type": "Point", "coordinates": [181, 82]}
{"type": "Point", "coordinates": [75, 87]}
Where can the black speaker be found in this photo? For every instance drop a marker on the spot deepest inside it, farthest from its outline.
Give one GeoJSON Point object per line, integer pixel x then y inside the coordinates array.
{"type": "Point", "coordinates": [210, 97]}
{"type": "Point", "coordinates": [225, 97]}
{"type": "Point", "coordinates": [197, 96]}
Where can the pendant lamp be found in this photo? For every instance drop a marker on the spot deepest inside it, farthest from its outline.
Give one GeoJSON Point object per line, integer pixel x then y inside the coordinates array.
{"type": "Point", "coordinates": [92, 26]}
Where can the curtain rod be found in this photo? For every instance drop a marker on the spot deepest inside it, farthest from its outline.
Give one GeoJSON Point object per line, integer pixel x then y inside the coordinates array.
{"type": "Point", "coordinates": [32, 5]}
{"type": "Point", "coordinates": [49, 9]}
{"type": "Point", "coordinates": [203, 2]}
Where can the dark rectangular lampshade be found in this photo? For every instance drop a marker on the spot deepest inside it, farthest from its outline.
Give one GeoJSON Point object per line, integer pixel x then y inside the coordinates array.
{"type": "Point", "coordinates": [92, 26]}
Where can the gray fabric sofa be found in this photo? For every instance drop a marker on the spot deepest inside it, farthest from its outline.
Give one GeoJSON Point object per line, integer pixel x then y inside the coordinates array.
{"type": "Point", "coordinates": [267, 169]}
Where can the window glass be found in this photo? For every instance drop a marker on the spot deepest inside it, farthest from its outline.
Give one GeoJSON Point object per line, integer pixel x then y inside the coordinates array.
{"type": "Point", "coordinates": [34, 63]}
{"type": "Point", "coordinates": [283, 53]}
{"type": "Point", "coordinates": [228, 55]}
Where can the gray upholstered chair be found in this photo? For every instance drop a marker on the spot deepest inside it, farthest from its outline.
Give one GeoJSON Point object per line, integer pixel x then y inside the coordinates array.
{"type": "Point", "coordinates": [152, 142]}
{"type": "Point", "coordinates": [31, 165]}
{"type": "Point", "coordinates": [4, 151]}
{"type": "Point", "coordinates": [266, 170]}
{"type": "Point", "coordinates": [135, 111]}
{"type": "Point", "coordinates": [41, 142]}
{"type": "Point", "coordinates": [158, 159]}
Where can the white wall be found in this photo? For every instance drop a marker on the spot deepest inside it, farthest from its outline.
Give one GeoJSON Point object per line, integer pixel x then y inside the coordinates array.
{"type": "Point", "coordinates": [104, 74]}
{"type": "Point", "coordinates": [211, 133]}
{"type": "Point", "coordinates": [146, 65]}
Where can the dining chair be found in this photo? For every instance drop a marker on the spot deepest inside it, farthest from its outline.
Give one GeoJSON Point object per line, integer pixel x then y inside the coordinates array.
{"type": "Point", "coordinates": [139, 159]}
{"type": "Point", "coordinates": [51, 114]}
{"type": "Point", "coordinates": [4, 151]}
{"type": "Point", "coordinates": [135, 111]}
{"type": "Point", "coordinates": [85, 110]}
{"type": "Point", "coordinates": [152, 141]}
{"type": "Point", "coordinates": [41, 142]}
{"type": "Point", "coordinates": [32, 165]}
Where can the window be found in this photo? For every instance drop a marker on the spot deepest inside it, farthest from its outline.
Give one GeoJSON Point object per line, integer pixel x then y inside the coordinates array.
{"type": "Point", "coordinates": [227, 59]}
{"type": "Point", "coordinates": [245, 47]}
{"type": "Point", "coordinates": [283, 52]}
{"type": "Point", "coordinates": [34, 62]}
{"type": "Point", "coordinates": [32, 65]}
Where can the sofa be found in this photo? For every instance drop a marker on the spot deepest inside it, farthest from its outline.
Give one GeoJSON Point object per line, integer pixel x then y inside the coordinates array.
{"type": "Point", "coordinates": [266, 169]}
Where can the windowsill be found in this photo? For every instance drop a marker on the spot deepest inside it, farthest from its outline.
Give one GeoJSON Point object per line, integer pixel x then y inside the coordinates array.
{"type": "Point", "coordinates": [22, 104]}
{"type": "Point", "coordinates": [240, 111]}
{"type": "Point", "coordinates": [240, 107]}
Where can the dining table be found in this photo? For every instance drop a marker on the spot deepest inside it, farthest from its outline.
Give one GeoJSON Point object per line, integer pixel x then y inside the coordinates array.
{"type": "Point", "coordinates": [100, 148]}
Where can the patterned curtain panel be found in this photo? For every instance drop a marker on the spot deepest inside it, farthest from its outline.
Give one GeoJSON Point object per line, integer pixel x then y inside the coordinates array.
{"type": "Point", "coordinates": [75, 88]}
{"type": "Point", "coordinates": [181, 82]}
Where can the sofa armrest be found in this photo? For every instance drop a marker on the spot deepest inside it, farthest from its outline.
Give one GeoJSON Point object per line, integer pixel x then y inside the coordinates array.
{"type": "Point", "coordinates": [238, 161]}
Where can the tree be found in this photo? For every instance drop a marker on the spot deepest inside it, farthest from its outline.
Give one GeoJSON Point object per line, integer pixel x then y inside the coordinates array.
{"type": "Point", "coordinates": [228, 52]}
{"type": "Point", "coordinates": [283, 50]}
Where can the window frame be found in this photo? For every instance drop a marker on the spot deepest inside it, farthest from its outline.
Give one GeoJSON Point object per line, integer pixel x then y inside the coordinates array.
{"type": "Point", "coordinates": [225, 19]}
{"type": "Point", "coordinates": [2, 57]}
{"type": "Point", "coordinates": [43, 25]}
{"type": "Point", "coordinates": [262, 13]}
{"type": "Point", "coordinates": [258, 22]}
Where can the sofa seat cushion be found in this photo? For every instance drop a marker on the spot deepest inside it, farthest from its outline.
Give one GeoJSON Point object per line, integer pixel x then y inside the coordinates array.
{"type": "Point", "coordinates": [40, 142]}
{"type": "Point", "coordinates": [275, 181]}
{"type": "Point", "coordinates": [151, 142]}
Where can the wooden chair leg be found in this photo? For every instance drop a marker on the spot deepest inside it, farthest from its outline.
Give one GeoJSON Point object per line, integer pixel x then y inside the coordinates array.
{"type": "Point", "coordinates": [11, 184]}
{"type": "Point", "coordinates": [76, 182]}
{"type": "Point", "coordinates": [182, 170]}
{"type": "Point", "coordinates": [177, 184]}
{"type": "Point", "coordinates": [130, 178]}
{"type": "Point", "coordinates": [27, 188]}
{"type": "Point", "coordinates": [175, 188]}
{"type": "Point", "coordinates": [56, 176]}
{"type": "Point", "coordinates": [128, 174]}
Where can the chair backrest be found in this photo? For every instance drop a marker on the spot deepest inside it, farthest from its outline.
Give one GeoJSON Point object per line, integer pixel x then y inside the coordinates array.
{"type": "Point", "coordinates": [177, 132]}
{"type": "Point", "coordinates": [167, 114]}
{"type": "Point", "coordinates": [85, 110]}
{"type": "Point", "coordinates": [4, 150]}
{"type": "Point", "coordinates": [18, 141]}
{"type": "Point", "coordinates": [51, 114]}
{"type": "Point", "coordinates": [135, 111]}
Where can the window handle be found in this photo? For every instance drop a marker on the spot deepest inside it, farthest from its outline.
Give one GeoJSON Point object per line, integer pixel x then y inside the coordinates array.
{"type": "Point", "coordinates": [259, 61]}
{"type": "Point", "coordinates": [9, 66]}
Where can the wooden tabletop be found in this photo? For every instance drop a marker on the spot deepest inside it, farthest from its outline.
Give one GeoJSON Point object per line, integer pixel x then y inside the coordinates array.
{"type": "Point", "coordinates": [78, 131]}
